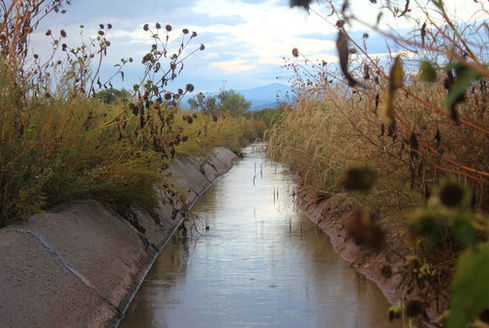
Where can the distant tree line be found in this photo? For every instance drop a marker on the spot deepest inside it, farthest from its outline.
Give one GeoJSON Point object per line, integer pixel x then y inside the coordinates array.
{"type": "Point", "coordinates": [228, 100]}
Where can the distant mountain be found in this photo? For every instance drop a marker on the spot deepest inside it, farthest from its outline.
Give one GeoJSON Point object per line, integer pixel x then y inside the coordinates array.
{"type": "Point", "coordinates": [266, 96]}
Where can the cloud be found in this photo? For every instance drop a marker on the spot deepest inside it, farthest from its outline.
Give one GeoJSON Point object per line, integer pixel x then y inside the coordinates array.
{"type": "Point", "coordinates": [246, 40]}
{"type": "Point", "coordinates": [238, 65]}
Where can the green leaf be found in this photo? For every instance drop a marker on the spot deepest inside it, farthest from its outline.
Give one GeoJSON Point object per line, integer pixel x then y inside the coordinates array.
{"type": "Point", "coordinates": [437, 3]}
{"type": "Point", "coordinates": [428, 72]}
{"type": "Point", "coordinates": [464, 230]}
{"type": "Point", "coordinates": [470, 290]}
{"type": "Point", "coordinates": [465, 76]}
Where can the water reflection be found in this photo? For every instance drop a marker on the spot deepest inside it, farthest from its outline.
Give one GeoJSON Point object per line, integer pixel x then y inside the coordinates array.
{"type": "Point", "coordinates": [261, 264]}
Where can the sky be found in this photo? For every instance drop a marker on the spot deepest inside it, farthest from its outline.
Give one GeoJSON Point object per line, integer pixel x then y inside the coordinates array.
{"type": "Point", "coordinates": [245, 41]}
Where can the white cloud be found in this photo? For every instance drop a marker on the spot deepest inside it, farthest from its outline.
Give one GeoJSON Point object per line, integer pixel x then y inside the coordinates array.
{"type": "Point", "coordinates": [211, 55]}
{"type": "Point", "coordinates": [268, 33]}
{"type": "Point", "coordinates": [234, 66]}
{"type": "Point", "coordinates": [240, 37]}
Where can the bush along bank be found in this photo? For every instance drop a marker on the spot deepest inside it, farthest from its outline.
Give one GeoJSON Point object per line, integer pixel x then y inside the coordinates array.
{"type": "Point", "coordinates": [80, 263]}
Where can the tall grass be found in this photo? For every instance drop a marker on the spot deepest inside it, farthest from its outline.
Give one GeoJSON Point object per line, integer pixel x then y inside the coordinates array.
{"type": "Point", "coordinates": [425, 134]}
{"type": "Point", "coordinates": [332, 128]}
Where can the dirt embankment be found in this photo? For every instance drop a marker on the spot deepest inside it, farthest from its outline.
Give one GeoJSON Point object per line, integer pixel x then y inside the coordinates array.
{"type": "Point", "coordinates": [80, 264]}
{"type": "Point", "coordinates": [331, 215]}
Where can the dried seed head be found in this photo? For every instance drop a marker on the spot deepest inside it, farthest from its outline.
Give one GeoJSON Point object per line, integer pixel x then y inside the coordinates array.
{"type": "Point", "coordinates": [194, 34]}
{"type": "Point", "coordinates": [158, 26]}
{"type": "Point", "coordinates": [300, 3]}
{"type": "Point", "coordinates": [63, 33]}
{"type": "Point", "coordinates": [361, 179]}
{"type": "Point", "coordinates": [180, 91]}
{"type": "Point", "coordinates": [386, 271]}
{"type": "Point", "coordinates": [101, 33]}
{"type": "Point", "coordinates": [185, 31]}
{"type": "Point", "coordinates": [451, 195]}
{"type": "Point", "coordinates": [168, 96]}
{"type": "Point", "coordinates": [202, 47]}
{"type": "Point", "coordinates": [484, 316]}
{"type": "Point", "coordinates": [36, 56]}
{"type": "Point", "coordinates": [414, 307]}
{"type": "Point", "coordinates": [364, 231]}
{"type": "Point", "coordinates": [147, 57]}
{"type": "Point", "coordinates": [48, 32]}
{"type": "Point", "coordinates": [109, 26]}
{"type": "Point", "coordinates": [190, 87]}
{"type": "Point", "coordinates": [146, 27]}
{"type": "Point", "coordinates": [168, 28]}
{"type": "Point", "coordinates": [295, 52]}
{"type": "Point", "coordinates": [101, 26]}
{"type": "Point", "coordinates": [340, 23]}
{"type": "Point", "coordinates": [395, 312]}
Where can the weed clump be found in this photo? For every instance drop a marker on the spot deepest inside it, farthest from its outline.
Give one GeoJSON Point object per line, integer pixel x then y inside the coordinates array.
{"type": "Point", "coordinates": [66, 133]}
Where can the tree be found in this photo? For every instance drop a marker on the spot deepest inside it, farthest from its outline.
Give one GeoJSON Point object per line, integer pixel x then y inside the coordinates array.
{"type": "Point", "coordinates": [228, 100]}
{"type": "Point", "coordinates": [112, 95]}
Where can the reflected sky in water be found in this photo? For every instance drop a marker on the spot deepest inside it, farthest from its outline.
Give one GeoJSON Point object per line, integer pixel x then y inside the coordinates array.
{"type": "Point", "coordinates": [260, 264]}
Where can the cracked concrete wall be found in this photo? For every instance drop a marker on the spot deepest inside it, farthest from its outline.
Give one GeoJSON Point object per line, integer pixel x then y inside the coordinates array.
{"type": "Point", "coordinates": [80, 264]}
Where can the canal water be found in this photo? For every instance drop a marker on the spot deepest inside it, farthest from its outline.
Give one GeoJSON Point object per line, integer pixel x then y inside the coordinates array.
{"type": "Point", "coordinates": [260, 263]}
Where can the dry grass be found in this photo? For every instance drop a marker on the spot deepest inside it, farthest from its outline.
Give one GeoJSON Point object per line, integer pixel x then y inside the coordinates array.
{"type": "Point", "coordinates": [333, 127]}
{"type": "Point", "coordinates": [216, 129]}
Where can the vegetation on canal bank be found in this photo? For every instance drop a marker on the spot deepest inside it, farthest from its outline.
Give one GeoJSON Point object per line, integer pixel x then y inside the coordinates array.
{"type": "Point", "coordinates": [407, 136]}
{"type": "Point", "coordinates": [65, 133]}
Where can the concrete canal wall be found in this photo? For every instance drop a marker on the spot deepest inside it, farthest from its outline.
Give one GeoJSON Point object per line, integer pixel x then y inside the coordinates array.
{"type": "Point", "coordinates": [80, 264]}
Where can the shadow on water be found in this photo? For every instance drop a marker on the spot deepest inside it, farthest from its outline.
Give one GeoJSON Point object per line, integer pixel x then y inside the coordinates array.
{"type": "Point", "coordinates": [261, 264]}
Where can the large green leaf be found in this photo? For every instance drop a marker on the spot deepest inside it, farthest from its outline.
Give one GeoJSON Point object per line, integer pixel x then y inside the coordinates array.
{"type": "Point", "coordinates": [465, 76]}
{"type": "Point", "coordinates": [470, 288]}
{"type": "Point", "coordinates": [428, 72]}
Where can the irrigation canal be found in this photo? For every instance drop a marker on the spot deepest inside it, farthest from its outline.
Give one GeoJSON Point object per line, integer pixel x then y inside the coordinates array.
{"type": "Point", "coordinates": [261, 263]}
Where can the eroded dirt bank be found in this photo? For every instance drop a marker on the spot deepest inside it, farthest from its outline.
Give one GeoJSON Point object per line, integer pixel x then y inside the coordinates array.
{"type": "Point", "coordinates": [80, 264]}
{"type": "Point", "coordinates": [331, 215]}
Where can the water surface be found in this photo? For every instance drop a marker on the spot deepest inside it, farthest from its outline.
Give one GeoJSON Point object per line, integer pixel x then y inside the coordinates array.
{"type": "Point", "coordinates": [260, 264]}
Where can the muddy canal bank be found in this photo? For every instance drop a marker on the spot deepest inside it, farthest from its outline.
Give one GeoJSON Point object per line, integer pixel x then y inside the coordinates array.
{"type": "Point", "coordinates": [383, 267]}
